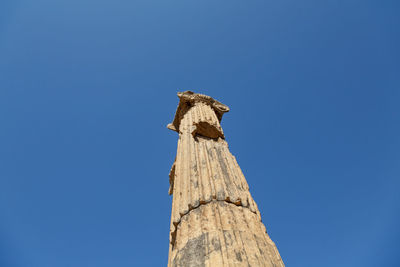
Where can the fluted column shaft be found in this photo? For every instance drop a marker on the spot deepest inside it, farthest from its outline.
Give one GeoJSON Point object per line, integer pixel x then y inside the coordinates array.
{"type": "Point", "coordinates": [214, 219]}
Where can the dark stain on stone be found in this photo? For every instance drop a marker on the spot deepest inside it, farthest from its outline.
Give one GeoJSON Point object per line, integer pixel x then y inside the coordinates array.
{"type": "Point", "coordinates": [193, 254]}
{"type": "Point", "coordinates": [228, 238]}
{"type": "Point", "coordinates": [216, 244]}
{"type": "Point", "coordinates": [238, 256]}
{"type": "Point", "coordinates": [221, 161]}
{"type": "Point", "coordinates": [224, 169]}
{"type": "Point", "coordinates": [210, 154]}
{"type": "Point", "coordinates": [195, 167]}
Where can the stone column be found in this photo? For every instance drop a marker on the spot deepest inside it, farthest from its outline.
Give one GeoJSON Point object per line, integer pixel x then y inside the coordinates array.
{"type": "Point", "coordinates": [214, 219]}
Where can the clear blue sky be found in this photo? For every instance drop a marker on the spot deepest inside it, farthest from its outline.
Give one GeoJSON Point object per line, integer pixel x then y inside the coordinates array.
{"type": "Point", "coordinates": [87, 88]}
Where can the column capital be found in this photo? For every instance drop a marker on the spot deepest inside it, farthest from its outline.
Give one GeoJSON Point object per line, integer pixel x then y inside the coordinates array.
{"type": "Point", "coordinates": [188, 99]}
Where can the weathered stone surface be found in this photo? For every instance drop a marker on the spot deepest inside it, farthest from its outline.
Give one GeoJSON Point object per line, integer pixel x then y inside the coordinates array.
{"type": "Point", "coordinates": [214, 219]}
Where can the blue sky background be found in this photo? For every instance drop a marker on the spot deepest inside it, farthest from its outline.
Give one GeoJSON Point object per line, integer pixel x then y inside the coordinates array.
{"type": "Point", "coordinates": [87, 88]}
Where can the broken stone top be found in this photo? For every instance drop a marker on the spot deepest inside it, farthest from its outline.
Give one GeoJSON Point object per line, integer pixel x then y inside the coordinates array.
{"type": "Point", "coordinates": [188, 99]}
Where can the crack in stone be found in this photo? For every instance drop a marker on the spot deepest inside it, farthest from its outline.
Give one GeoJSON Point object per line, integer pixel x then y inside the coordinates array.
{"type": "Point", "coordinates": [201, 203]}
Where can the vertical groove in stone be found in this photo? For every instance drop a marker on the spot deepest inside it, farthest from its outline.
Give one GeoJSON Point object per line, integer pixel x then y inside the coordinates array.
{"type": "Point", "coordinates": [214, 219]}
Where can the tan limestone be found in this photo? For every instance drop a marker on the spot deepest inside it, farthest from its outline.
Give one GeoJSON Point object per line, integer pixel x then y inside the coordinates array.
{"type": "Point", "coordinates": [214, 219]}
